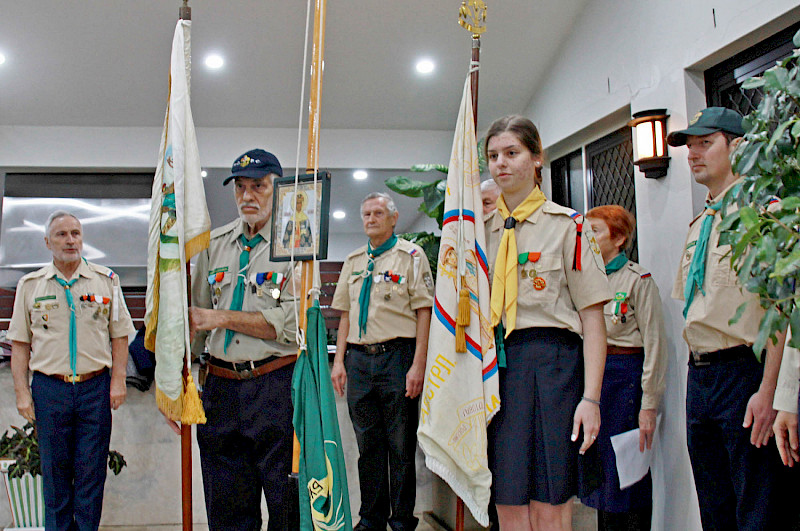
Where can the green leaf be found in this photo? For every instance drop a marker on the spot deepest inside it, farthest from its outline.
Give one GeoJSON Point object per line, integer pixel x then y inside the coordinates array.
{"type": "Point", "coordinates": [778, 134]}
{"type": "Point", "coordinates": [430, 167]}
{"type": "Point", "coordinates": [728, 221]}
{"type": "Point", "coordinates": [775, 78]}
{"type": "Point", "coordinates": [738, 315]}
{"type": "Point", "coordinates": [765, 330]}
{"type": "Point", "coordinates": [748, 217]}
{"type": "Point", "coordinates": [796, 129]}
{"type": "Point", "coordinates": [748, 158]}
{"type": "Point", "coordinates": [794, 322]}
{"type": "Point", "coordinates": [408, 187]}
{"type": "Point", "coordinates": [790, 203]}
{"type": "Point", "coordinates": [796, 40]}
{"type": "Point", "coordinates": [753, 82]}
{"type": "Point", "coordinates": [788, 264]}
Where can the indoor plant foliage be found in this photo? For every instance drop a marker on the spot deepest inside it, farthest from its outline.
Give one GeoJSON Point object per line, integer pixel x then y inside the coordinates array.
{"type": "Point", "coordinates": [22, 446]}
{"type": "Point", "coordinates": [763, 232]}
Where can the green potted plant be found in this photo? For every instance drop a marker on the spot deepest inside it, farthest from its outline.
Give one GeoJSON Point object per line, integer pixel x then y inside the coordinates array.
{"type": "Point", "coordinates": [763, 231]}
{"type": "Point", "coordinates": [21, 465]}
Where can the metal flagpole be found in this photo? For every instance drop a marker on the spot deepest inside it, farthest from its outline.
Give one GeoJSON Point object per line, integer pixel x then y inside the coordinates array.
{"type": "Point", "coordinates": [185, 13]}
{"type": "Point", "coordinates": [472, 17]}
{"type": "Point", "coordinates": [312, 165]}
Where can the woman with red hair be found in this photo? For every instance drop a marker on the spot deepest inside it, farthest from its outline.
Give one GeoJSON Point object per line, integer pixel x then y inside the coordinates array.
{"type": "Point", "coordinates": [634, 374]}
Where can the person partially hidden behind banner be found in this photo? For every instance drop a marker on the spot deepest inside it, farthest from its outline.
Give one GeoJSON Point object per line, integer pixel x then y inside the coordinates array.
{"type": "Point", "coordinates": [737, 469]}
{"type": "Point", "coordinates": [70, 326]}
{"type": "Point", "coordinates": [634, 377]}
{"type": "Point", "coordinates": [489, 194]}
{"type": "Point", "coordinates": [243, 307]}
{"type": "Point", "coordinates": [388, 288]}
{"type": "Point", "coordinates": [549, 288]}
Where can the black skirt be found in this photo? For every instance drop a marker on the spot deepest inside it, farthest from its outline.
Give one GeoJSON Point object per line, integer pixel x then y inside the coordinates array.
{"type": "Point", "coordinates": [531, 455]}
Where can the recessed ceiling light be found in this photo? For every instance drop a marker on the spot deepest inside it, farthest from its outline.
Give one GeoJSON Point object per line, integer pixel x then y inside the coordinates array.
{"type": "Point", "coordinates": [204, 173]}
{"type": "Point", "coordinates": [214, 61]}
{"type": "Point", "coordinates": [2, 58]}
{"type": "Point", "coordinates": [360, 175]}
{"type": "Point", "coordinates": [425, 66]}
{"type": "Point", "coordinates": [339, 214]}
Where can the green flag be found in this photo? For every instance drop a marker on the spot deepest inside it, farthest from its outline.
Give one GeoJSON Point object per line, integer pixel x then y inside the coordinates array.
{"type": "Point", "coordinates": [324, 499]}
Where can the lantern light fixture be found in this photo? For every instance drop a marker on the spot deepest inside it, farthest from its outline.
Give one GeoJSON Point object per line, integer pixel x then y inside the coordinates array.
{"type": "Point", "coordinates": [651, 142]}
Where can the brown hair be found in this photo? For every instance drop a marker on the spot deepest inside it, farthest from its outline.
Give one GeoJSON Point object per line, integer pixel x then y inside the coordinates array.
{"type": "Point", "coordinates": [620, 222]}
{"type": "Point", "coordinates": [524, 130]}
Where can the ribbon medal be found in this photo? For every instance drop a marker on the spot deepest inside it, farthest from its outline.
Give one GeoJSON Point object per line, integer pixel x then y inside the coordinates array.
{"type": "Point", "coordinates": [273, 277]}
{"type": "Point", "coordinates": [538, 282]}
{"type": "Point", "coordinates": [619, 308]}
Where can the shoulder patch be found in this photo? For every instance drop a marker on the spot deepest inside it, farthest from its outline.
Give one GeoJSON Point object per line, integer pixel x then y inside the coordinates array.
{"type": "Point", "coordinates": [638, 269]}
{"type": "Point", "coordinates": [102, 270]}
{"type": "Point", "coordinates": [555, 208]}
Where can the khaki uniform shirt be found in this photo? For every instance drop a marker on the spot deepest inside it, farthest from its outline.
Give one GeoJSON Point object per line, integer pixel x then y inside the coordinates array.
{"type": "Point", "coordinates": [643, 326]}
{"type": "Point", "coordinates": [556, 301]}
{"type": "Point", "coordinates": [707, 328]}
{"type": "Point", "coordinates": [41, 318]}
{"type": "Point", "coordinates": [222, 259]}
{"type": "Point", "coordinates": [392, 304]}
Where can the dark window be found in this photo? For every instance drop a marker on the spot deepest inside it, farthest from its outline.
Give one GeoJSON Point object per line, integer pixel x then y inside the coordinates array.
{"type": "Point", "coordinates": [723, 81]}
{"type": "Point", "coordinates": [610, 175]}
{"type": "Point", "coordinates": [566, 179]}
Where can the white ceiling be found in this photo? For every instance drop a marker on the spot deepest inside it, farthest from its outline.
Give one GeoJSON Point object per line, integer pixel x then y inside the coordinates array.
{"type": "Point", "coordinates": [105, 62]}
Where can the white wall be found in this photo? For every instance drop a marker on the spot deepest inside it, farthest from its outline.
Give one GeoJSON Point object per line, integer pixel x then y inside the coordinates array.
{"type": "Point", "coordinates": [632, 55]}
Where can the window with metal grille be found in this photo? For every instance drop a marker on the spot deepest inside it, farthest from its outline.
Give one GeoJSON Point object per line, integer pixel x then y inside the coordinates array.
{"type": "Point", "coordinates": [609, 163]}
{"type": "Point", "coordinates": [724, 81]}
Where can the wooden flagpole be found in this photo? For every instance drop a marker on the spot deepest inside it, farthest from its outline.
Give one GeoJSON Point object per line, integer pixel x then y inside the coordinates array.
{"type": "Point", "coordinates": [312, 164]}
{"type": "Point", "coordinates": [185, 13]}
{"type": "Point", "coordinates": [472, 17]}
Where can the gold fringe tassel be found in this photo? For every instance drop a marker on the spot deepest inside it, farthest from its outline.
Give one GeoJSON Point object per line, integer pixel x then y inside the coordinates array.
{"type": "Point", "coordinates": [192, 405]}
{"type": "Point", "coordinates": [463, 317]}
{"type": "Point", "coordinates": [169, 407]}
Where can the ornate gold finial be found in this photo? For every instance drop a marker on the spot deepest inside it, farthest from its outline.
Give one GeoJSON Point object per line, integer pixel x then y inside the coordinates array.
{"type": "Point", "coordinates": [472, 16]}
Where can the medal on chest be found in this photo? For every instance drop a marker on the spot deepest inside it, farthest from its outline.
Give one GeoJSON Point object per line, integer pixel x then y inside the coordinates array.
{"type": "Point", "coordinates": [619, 308]}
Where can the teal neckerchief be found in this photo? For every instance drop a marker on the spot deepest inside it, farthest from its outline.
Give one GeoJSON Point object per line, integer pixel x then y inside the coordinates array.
{"type": "Point", "coordinates": [616, 263]}
{"type": "Point", "coordinates": [238, 293]}
{"type": "Point", "coordinates": [73, 328]}
{"type": "Point", "coordinates": [366, 285]}
{"type": "Point", "coordinates": [697, 269]}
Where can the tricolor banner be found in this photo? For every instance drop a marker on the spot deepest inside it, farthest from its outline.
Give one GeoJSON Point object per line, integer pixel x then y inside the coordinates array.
{"type": "Point", "coordinates": [461, 391]}
{"type": "Point", "coordinates": [179, 229]}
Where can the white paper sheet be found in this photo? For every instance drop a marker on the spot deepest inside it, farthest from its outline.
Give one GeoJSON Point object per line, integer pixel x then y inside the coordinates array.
{"type": "Point", "coordinates": [632, 465]}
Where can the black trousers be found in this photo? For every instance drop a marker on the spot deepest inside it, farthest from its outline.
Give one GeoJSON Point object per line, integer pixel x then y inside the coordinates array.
{"type": "Point", "coordinates": [246, 448]}
{"type": "Point", "coordinates": [385, 424]}
{"type": "Point", "coordinates": [739, 486]}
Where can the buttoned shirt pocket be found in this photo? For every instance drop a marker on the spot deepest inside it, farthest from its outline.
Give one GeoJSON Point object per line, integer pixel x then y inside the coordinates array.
{"type": "Point", "coordinates": [40, 319]}
{"type": "Point", "coordinates": [721, 273]}
{"type": "Point", "coordinates": [354, 286]}
{"type": "Point", "coordinates": [540, 281]}
{"type": "Point", "coordinates": [617, 328]}
{"type": "Point", "coordinates": [686, 260]}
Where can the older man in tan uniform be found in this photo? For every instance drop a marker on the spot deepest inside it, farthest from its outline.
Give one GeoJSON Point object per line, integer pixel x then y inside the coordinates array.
{"type": "Point", "coordinates": [70, 326]}
{"type": "Point", "coordinates": [387, 287]}
{"type": "Point", "coordinates": [729, 414]}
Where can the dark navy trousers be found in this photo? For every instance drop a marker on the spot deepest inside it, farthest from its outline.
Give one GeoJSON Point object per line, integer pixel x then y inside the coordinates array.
{"type": "Point", "coordinates": [73, 424]}
{"type": "Point", "coordinates": [385, 424]}
{"type": "Point", "coordinates": [246, 447]}
{"type": "Point", "coordinates": [739, 486]}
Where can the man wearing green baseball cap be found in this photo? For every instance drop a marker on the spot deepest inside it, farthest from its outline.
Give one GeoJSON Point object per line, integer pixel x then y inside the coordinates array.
{"type": "Point", "coordinates": [737, 469]}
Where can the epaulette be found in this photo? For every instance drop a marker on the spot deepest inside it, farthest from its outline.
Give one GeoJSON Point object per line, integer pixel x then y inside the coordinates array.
{"type": "Point", "coordinates": [225, 229]}
{"type": "Point", "coordinates": [360, 250]}
{"type": "Point", "coordinates": [638, 269]}
{"type": "Point", "coordinates": [102, 270]}
{"type": "Point", "coordinates": [577, 217]}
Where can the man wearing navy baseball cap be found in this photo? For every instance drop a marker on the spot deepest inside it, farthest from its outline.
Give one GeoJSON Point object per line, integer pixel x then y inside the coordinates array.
{"type": "Point", "coordinates": [243, 313]}
{"type": "Point", "coordinates": [737, 469]}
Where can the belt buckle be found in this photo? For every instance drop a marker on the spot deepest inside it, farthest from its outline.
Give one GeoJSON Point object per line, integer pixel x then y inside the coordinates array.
{"type": "Point", "coordinates": [247, 374]}
{"type": "Point", "coordinates": [78, 378]}
{"type": "Point", "coordinates": [699, 360]}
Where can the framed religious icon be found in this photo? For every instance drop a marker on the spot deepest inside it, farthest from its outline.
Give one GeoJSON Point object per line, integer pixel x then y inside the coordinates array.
{"type": "Point", "coordinates": [300, 217]}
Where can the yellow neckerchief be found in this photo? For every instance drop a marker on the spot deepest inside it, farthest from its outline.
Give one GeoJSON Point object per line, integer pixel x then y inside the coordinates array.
{"type": "Point", "coordinates": [504, 284]}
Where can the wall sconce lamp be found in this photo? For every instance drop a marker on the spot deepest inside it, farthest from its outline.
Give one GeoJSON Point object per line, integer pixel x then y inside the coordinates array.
{"type": "Point", "coordinates": [651, 142]}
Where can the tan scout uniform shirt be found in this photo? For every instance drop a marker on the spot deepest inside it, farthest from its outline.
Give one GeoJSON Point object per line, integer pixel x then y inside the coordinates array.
{"type": "Point", "coordinates": [551, 232]}
{"type": "Point", "coordinates": [788, 384]}
{"type": "Point", "coordinates": [222, 256]}
{"type": "Point", "coordinates": [41, 317]}
{"type": "Point", "coordinates": [643, 326]}
{"type": "Point", "coordinates": [707, 328]}
{"type": "Point", "coordinates": [392, 305]}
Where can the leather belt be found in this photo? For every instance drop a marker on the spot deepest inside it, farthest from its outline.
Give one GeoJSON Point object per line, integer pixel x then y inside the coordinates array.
{"type": "Point", "coordinates": [78, 378]}
{"type": "Point", "coordinates": [248, 369]}
{"type": "Point", "coordinates": [704, 359]}
{"type": "Point", "coordinates": [614, 349]}
{"type": "Point", "coordinates": [380, 348]}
